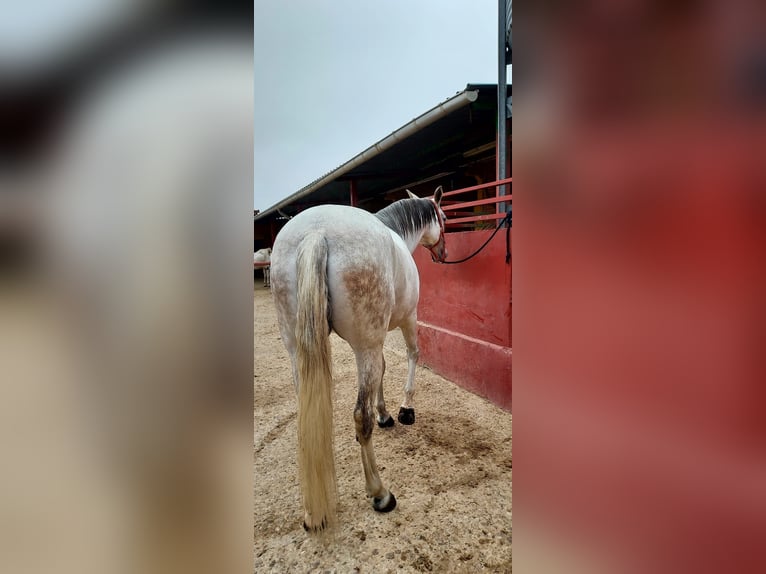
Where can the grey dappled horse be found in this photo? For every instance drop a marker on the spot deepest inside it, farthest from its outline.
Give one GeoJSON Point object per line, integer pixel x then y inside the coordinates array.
{"type": "Point", "coordinates": [260, 257]}
{"type": "Point", "coordinates": [343, 269]}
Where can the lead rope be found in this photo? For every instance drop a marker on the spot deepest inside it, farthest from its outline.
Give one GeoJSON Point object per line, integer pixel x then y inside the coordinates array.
{"type": "Point", "coordinates": [505, 221]}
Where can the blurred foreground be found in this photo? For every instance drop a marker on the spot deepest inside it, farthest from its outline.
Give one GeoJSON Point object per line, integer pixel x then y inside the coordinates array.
{"type": "Point", "coordinates": [640, 287]}
{"type": "Point", "coordinates": [125, 338]}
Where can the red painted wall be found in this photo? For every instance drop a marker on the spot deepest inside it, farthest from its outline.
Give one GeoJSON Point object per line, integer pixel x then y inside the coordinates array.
{"type": "Point", "coordinates": [464, 315]}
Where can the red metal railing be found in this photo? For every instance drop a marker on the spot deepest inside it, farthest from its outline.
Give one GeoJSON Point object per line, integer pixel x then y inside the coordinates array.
{"type": "Point", "coordinates": [458, 212]}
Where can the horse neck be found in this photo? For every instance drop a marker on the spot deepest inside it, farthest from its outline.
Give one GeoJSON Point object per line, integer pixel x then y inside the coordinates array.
{"type": "Point", "coordinates": [400, 222]}
{"type": "Point", "coordinates": [412, 240]}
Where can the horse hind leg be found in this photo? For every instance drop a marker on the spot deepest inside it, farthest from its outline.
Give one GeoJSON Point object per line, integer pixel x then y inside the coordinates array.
{"type": "Point", "coordinates": [385, 420]}
{"type": "Point", "coordinates": [370, 367]}
{"type": "Point", "coordinates": [410, 332]}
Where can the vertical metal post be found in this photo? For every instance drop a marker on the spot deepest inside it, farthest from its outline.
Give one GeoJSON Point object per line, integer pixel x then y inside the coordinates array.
{"type": "Point", "coordinates": [502, 152]}
{"type": "Point", "coordinates": [353, 199]}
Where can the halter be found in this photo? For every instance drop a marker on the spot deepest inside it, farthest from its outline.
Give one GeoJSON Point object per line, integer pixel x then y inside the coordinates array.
{"type": "Point", "coordinates": [441, 233]}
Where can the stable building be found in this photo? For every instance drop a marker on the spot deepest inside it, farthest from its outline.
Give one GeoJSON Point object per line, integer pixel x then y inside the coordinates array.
{"type": "Point", "coordinates": [464, 314]}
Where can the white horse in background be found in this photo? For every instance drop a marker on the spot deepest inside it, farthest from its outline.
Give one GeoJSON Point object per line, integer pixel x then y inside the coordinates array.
{"type": "Point", "coordinates": [343, 269]}
{"type": "Point", "coordinates": [262, 260]}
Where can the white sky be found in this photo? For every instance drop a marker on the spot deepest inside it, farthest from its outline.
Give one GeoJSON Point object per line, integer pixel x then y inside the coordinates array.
{"type": "Point", "coordinates": [333, 77]}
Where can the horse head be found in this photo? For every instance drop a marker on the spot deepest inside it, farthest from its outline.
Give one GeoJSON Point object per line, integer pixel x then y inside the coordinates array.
{"type": "Point", "coordinates": [433, 235]}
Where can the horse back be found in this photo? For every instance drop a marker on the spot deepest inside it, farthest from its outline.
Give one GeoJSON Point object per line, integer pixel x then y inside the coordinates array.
{"type": "Point", "coordinates": [372, 279]}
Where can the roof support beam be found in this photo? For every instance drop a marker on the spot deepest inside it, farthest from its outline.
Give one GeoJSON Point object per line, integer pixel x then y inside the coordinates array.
{"type": "Point", "coordinates": [502, 139]}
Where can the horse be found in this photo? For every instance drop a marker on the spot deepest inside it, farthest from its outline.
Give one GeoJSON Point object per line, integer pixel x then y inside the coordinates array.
{"type": "Point", "coordinates": [262, 259]}
{"type": "Point", "coordinates": [340, 268]}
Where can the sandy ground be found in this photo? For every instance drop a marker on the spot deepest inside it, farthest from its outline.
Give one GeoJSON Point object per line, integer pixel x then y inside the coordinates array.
{"type": "Point", "coordinates": [450, 471]}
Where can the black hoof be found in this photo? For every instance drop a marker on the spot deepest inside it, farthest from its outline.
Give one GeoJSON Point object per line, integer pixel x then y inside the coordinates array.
{"type": "Point", "coordinates": [389, 422]}
{"type": "Point", "coordinates": [377, 503]}
{"type": "Point", "coordinates": [406, 416]}
{"type": "Point", "coordinates": [319, 528]}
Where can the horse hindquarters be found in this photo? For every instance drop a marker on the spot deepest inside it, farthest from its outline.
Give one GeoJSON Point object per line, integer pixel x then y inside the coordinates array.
{"type": "Point", "coordinates": [315, 422]}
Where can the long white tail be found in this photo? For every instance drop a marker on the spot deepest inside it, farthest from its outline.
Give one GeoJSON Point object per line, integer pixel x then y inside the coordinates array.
{"type": "Point", "coordinates": [316, 460]}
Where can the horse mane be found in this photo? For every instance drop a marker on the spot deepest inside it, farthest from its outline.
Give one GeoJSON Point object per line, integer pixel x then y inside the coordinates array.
{"type": "Point", "coordinates": [408, 216]}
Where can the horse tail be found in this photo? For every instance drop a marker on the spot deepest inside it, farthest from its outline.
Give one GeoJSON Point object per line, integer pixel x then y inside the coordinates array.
{"type": "Point", "coordinates": [316, 461]}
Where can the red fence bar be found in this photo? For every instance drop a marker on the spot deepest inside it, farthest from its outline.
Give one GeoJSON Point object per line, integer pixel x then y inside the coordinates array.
{"type": "Point", "coordinates": [487, 201]}
{"type": "Point", "coordinates": [474, 218]}
{"type": "Point", "coordinates": [457, 217]}
{"type": "Point", "coordinates": [477, 187]}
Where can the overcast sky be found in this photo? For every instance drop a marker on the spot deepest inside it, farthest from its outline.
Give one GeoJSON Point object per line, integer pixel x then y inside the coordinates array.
{"type": "Point", "coordinates": [334, 77]}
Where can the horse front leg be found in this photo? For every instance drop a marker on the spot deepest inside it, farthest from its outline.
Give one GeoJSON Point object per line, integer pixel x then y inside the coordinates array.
{"type": "Point", "coordinates": [370, 367]}
{"type": "Point", "coordinates": [384, 418]}
{"type": "Point", "coordinates": [410, 332]}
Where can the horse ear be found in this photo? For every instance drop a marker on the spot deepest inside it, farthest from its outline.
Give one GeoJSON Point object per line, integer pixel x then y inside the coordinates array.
{"type": "Point", "coordinates": [412, 195]}
{"type": "Point", "coordinates": [438, 195]}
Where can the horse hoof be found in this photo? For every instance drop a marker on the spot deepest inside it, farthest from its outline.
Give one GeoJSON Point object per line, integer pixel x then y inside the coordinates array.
{"type": "Point", "coordinates": [385, 504]}
{"type": "Point", "coordinates": [313, 529]}
{"type": "Point", "coordinates": [389, 422]}
{"type": "Point", "coordinates": [406, 416]}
